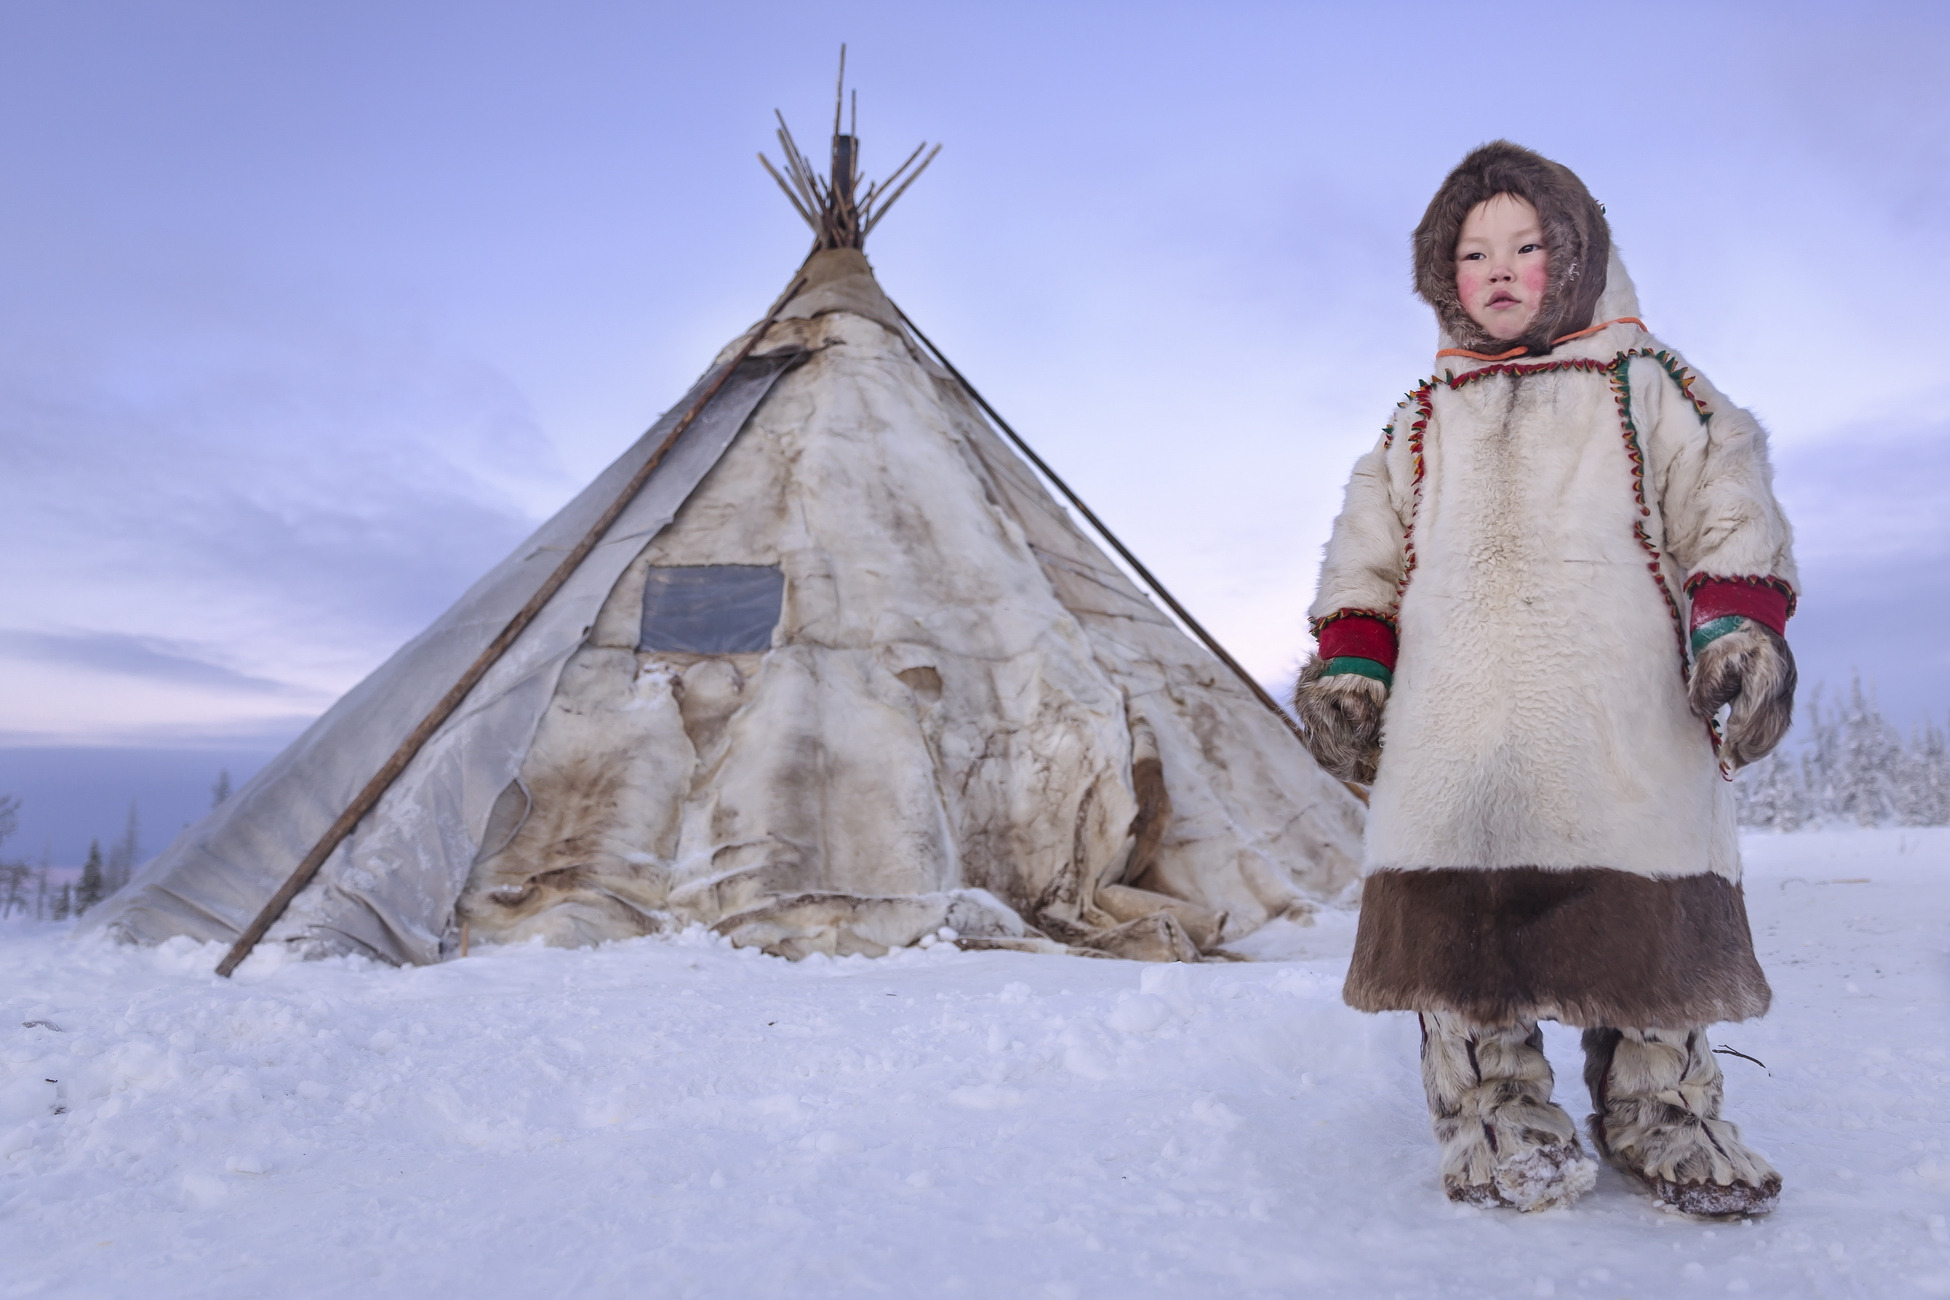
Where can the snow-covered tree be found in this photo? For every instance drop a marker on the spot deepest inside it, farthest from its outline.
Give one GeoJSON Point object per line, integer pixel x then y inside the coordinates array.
{"type": "Point", "coordinates": [1772, 795]}
{"type": "Point", "coordinates": [90, 891]}
{"type": "Point", "coordinates": [1850, 765]}
{"type": "Point", "coordinates": [1923, 779]}
{"type": "Point", "coordinates": [13, 875]}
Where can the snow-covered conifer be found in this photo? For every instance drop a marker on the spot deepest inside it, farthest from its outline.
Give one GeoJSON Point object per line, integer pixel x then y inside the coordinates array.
{"type": "Point", "coordinates": [90, 891]}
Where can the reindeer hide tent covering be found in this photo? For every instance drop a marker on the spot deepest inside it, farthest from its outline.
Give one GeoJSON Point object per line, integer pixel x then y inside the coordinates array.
{"type": "Point", "coordinates": [843, 673]}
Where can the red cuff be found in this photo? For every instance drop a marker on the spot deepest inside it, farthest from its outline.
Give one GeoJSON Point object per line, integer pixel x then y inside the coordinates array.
{"type": "Point", "coordinates": [1358, 636]}
{"type": "Point", "coordinates": [1764, 600]}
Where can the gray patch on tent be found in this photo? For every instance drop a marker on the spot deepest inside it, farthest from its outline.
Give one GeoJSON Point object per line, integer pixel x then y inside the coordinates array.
{"type": "Point", "coordinates": [711, 609]}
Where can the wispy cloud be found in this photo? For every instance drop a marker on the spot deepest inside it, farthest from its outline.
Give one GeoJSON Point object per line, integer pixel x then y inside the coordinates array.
{"type": "Point", "coordinates": [143, 657]}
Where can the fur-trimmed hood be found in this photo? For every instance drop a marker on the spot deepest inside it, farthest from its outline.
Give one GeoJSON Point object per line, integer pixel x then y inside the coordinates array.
{"type": "Point", "coordinates": [1575, 231]}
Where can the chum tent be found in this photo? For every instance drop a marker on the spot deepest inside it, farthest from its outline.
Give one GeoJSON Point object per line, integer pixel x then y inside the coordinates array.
{"type": "Point", "coordinates": [818, 663]}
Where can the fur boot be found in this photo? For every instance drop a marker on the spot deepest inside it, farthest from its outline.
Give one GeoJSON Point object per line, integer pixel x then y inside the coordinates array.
{"type": "Point", "coordinates": [1753, 669]}
{"type": "Point", "coordinates": [1341, 718]}
{"type": "Point", "coordinates": [1503, 1141]}
{"type": "Point", "coordinates": [1656, 1093]}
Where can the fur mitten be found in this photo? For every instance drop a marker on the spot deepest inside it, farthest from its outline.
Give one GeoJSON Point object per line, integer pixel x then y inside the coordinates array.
{"type": "Point", "coordinates": [1503, 1141]}
{"type": "Point", "coordinates": [1657, 1093]}
{"type": "Point", "coordinates": [1750, 666]}
{"type": "Point", "coordinates": [1340, 714]}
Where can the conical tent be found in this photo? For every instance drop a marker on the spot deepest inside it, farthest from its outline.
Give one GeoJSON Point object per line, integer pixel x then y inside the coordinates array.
{"type": "Point", "coordinates": [839, 674]}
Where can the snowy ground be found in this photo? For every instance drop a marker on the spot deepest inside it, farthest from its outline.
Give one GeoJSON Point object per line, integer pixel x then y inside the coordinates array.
{"type": "Point", "coordinates": [676, 1118]}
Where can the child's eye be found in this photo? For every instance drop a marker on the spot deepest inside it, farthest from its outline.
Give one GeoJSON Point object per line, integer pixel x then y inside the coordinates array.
{"type": "Point", "coordinates": [1531, 248]}
{"type": "Point", "coordinates": [1472, 257]}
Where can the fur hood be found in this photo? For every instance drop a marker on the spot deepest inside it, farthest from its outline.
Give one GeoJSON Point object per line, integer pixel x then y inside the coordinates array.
{"type": "Point", "coordinates": [1575, 230]}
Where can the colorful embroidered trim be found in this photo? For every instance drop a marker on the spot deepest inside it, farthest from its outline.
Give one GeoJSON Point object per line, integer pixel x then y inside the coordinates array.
{"type": "Point", "coordinates": [1707, 633]}
{"type": "Point", "coordinates": [1621, 389]}
{"type": "Point", "coordinates": [1354, 634]}
{"type": "Point", "coordinates": [1456, 381]}
{"type": "Point", "coordinates": [1617, 373]}
{"type": "Point", "coordinates": [1679, 374]}
{"type": "Point", "coordinates": [1417, 430]}
{"type": "Point", "coordinates": [1517, 352]}
{"type": "Point", "coordinates": [1766, 600]}
{"type": "Point", "coordinates": [1342, 664]}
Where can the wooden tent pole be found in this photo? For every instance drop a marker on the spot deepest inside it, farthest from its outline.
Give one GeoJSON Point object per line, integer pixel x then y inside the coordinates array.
{"type": "Point", "coordinates": [382, 780]}
{"type": "Point", "coordinates": [1103, 530]}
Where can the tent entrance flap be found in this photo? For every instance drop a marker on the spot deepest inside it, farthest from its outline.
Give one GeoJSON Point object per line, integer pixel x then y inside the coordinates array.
{"type": "Point", "coordinates": [711, 609]}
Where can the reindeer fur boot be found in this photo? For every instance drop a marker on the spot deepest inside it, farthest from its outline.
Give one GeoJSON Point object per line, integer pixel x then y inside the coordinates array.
{"type": "Point", "coordinates": [1503, 1141]}
{"type": "Point", "coordinates": [1657, 1097]}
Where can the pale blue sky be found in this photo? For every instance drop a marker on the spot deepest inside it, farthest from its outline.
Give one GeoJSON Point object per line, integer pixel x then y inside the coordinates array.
{"type": "Point", "coordinates": [308, 312]}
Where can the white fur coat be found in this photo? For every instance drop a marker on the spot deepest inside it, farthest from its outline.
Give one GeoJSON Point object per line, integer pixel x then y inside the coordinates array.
{"type": "Point", "coordinates": [1531, 526]}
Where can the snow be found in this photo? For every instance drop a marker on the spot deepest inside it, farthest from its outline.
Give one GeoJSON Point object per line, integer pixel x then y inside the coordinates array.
{"type": "Point", "coordinates": [673, 1117]}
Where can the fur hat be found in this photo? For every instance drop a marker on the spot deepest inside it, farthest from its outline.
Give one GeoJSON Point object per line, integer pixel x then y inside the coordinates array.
{"type": "Point", "coordinates": [1575, 231]}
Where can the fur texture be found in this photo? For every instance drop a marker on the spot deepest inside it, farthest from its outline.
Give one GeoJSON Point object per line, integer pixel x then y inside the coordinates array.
{"type": "Point", "coordinates": [1341, 719]}
{"type": "Point", "coordinates": [1549, 835]}
{"type": "Point", "coordinates": [1656, 1095]}
{"type": "Point", "coordinates": [1504, 1142]}
{"type": "Point", "coordinates": [1586, 946]}
{"type": "Point", "coordinates": [1752, 669]}
{"type": "Point", "coordinates": [1575, 233]}
{"type": "Point", "coordinates": [1539, 713]}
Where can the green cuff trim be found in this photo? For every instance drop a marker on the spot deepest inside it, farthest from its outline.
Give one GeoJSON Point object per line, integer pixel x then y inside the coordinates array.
{"type": "Point", "coordinates": [1707, 633]}
{"type": "Point", "coordinates": [1364, 667]}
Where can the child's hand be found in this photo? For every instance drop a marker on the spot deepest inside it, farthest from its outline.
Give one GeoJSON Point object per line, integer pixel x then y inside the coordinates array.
{"type": "Point", "coordinates": [1751, 668]}
{"type": "Point", "coordinates": [1340, 714]}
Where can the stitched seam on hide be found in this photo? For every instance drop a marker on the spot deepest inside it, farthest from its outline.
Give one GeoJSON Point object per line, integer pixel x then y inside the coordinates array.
{"type": "Point", "coordinates": [1616, 372]}
{"type": "Point", "coordinates": [1425, 409]}
{"type": "Point", "coordinates": [1621, 387]}
{"type": "Point", "coordinates": [1679, 375]}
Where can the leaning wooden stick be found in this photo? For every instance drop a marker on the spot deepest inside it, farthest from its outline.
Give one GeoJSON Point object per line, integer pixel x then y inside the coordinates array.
{"type": "Point", "coordinates": [1184, 615]}
{"type": "Point", "coordinates": [383, 779]}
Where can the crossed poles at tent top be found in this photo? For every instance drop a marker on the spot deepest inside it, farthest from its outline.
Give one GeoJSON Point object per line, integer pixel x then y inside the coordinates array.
{"type": "Point", "coordinates": [840, 216]}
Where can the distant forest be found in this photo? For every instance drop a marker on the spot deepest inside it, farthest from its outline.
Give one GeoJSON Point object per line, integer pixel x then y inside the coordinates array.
{"type": "Point", "coordinates": [1844, 765]}
{"type": "Point", "coordinates": [36, 891]}
{"type": "Point", "coordinates": [49, 893]}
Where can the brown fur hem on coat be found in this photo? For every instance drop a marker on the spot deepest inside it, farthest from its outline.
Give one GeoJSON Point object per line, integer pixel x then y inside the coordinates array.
{"type": "Point", "coordinates": [1587, 946]}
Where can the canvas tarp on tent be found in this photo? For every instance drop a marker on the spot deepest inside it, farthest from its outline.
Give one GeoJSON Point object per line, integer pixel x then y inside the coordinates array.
{"type": "Point", "coordinates": [390, 889]}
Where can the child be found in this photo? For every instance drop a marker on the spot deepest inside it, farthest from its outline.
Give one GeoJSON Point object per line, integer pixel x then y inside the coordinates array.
{"type": "Point", "coordinates": [1549, 530]}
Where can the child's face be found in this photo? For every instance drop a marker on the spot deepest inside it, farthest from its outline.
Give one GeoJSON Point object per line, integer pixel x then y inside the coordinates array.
{"type": "Point", "coordinates": [1502, 265]}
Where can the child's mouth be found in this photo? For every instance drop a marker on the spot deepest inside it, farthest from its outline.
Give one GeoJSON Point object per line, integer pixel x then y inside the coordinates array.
{"type": "Point", "coordinates": [1503, 300]}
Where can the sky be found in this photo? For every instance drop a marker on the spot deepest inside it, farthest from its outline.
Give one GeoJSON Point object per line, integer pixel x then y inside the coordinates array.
{"type": "Point", "coordinates": [309, 312]}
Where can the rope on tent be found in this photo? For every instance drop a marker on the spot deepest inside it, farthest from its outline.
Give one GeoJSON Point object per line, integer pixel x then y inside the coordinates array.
{"type": "Point", "coordinates": [1150, 579]}
{"type": "Point", "coordinates": [368, 797]}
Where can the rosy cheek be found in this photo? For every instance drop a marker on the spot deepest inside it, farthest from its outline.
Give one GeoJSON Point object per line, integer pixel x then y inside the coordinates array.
{"type": "Point", "coordinates": [1535, 277]}
{"type": "Point", "coordinates": [1469, 281]}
